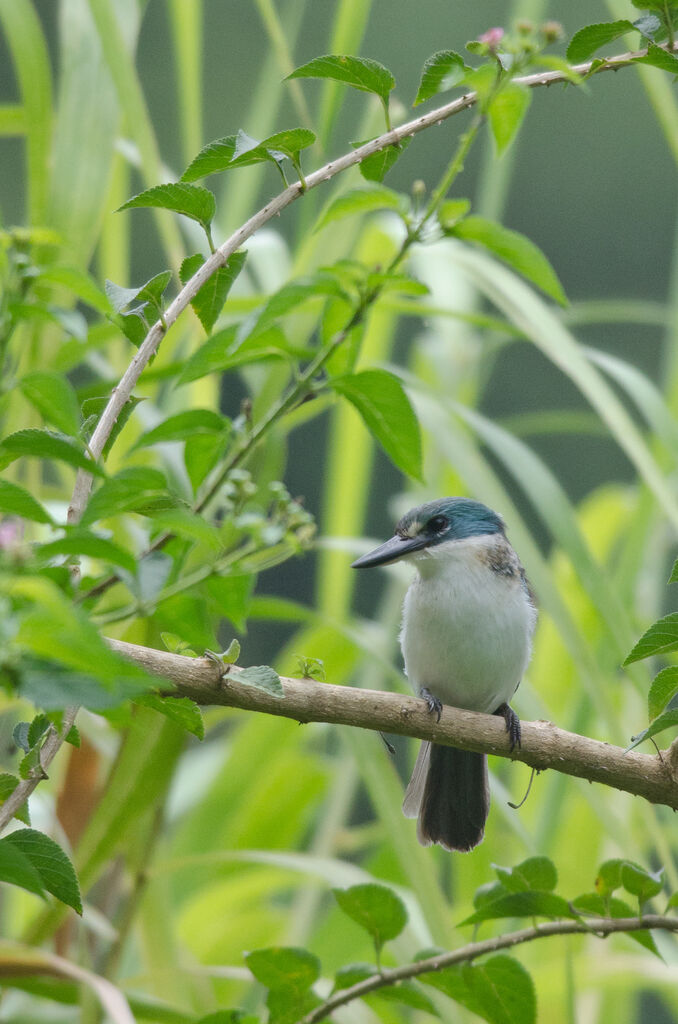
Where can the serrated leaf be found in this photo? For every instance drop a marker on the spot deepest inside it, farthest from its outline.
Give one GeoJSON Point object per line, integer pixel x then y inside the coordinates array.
{"type": "Point", "coordinates": [515, 249]}
{"type": "Point", "coordinates": [37, 729]}
{"type": "Point", "coordinates": [261, 677]}
{"type": "Point", "coordinates": [589, 39]}
{"type": "Point", "coordinates": [657, 57]}
{"type": "Point", "coordinates": [44, 444]}
{"type": "Point", "coordinates": [54, 397]}
{"type": "Point", "coordinates": [50, 863]}
{"type": "Point", "coordinates": [192, 201]}
{"type": "Point", "coordinates": [84, 542]}
{"type": "Point", "coordinates": [381, 400]}
{"type": "Point", "coordinates": [535, 873]}
{"type": "Point", "coordinates": [359, 72]}
{"type": "Point", "coordinates": [120, 297]}
{"type": "Point", "coordinates": [209, 301]}
{"type": "Point", "coordinates": [20, 735]}
{"type": "Point", "coordinates": [377, 166]}
{"type": "Point", "coordinates": [522, 904]}
{"type": "Point", "coordinates": [284, 967]}
{"type": "Point", "coordinates": [184, 425]}
{"type": "Point", "coordinates": [667, 720]}
{"type": "Point", "coordinates": [287, 143]}
{"type": "Point", "coordinates": [181, 710]}
{"type": "Point", "coordinates": [8, 784]}
{"type": "Point", "coordinates": [648, 25]}
{"type": "Point", "coordinates": [664, 687]}
{"type": "Point", "coordinates": [153, 290]}
{"type": "Point", "coordinates": [14, 500]}
{"type": "Point", "coordinates": [17, 869]}
{"type": "Point", "coordinates": [201, 454]}
{"type": "Point", "coordinates": [212, 158]}
{"type": "Point", "coordinates": [362, 200]}
{"type": "Point", "coordinates": [660, 638]}
{"type": "Point", "coordinates": [375, 908]}
{"type": "Point", "coordinates": [132, 490]}
{"type": "Point", "coordinates": [442, 71]}
{"type": "Point", "coordinates": [223, 351]}
{"type": "Point", "coordinates": [506, 112]}
{"type": "Point", "coordinates": [504, 990]}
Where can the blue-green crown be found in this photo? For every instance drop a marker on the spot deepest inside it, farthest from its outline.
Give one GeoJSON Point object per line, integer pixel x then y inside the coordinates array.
{"type": "Point", "coordinates": [450, 519]}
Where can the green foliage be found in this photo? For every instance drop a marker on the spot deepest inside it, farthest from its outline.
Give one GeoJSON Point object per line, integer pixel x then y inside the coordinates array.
{"type": "Point", "coordinates": [376, 909]}
{"type": "Point", "coordinates": [441, 72]}
{"type": "Point", "coordinates": [35, 862]}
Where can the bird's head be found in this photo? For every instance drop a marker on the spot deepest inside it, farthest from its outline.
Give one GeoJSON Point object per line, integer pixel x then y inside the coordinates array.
{"type": "Point", "coordinates": [437, 522]}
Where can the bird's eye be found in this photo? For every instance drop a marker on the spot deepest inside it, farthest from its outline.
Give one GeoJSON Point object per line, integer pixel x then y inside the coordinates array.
{"type": "Point", "coordinates": [437, 524]}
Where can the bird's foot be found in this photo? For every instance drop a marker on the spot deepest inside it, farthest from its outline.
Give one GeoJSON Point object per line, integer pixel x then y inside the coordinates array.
{"type": "Point", "coordinates": [434, 704]}
{"type": "Point", "coordinates": [512, 724]}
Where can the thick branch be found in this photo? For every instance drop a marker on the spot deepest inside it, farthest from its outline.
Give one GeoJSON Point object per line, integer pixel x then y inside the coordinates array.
{"type": "Point", "coordinates": [543, 744]}
{"type": "Point", "coordinates": [600, 926]}
{"type": "Point", "coordinates": [123, 391]}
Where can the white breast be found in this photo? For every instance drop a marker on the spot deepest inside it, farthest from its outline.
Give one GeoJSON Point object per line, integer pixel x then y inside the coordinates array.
{"type": "Point", "coordinates": [468, 623]}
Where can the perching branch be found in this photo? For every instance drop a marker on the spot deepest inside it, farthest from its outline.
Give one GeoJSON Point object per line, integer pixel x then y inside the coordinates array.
{"type": "Point", "coordinates": [654, 777]}
{"type": "Point", "coordinates": [387, 977]}
{"type": "Point", "coordinates": [122, 393]}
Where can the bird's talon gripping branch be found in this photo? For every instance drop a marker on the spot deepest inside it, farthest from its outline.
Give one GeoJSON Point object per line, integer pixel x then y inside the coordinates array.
{"type": "Point", "coordinates": [512, 724]}
{"type": "Point", "coordinates": [434, 705]}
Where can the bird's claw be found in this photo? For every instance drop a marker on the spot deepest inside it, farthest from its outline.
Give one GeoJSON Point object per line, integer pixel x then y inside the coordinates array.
{"type": "Point", "coordinates": [512, 724]}
{"type": "Point", "coordinates": [434, 704]}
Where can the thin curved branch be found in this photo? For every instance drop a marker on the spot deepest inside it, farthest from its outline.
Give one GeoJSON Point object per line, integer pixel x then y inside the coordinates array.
{"type": "Point", "coordinates": [600, 926]}
{"type": "Point", "coordinates": [654, 777]}
{"type": "Point", "coordinates": [50, 748]}
{"type": "Point", "coordinates": [123, 391]}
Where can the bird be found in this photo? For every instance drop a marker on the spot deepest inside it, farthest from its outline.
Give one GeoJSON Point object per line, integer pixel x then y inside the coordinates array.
{"type": "Point", "coordinates": [466, 640]}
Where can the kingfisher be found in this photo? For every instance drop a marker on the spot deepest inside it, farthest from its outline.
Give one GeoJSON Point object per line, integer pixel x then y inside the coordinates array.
{"type": "Point", "coordinates": [466, 639]}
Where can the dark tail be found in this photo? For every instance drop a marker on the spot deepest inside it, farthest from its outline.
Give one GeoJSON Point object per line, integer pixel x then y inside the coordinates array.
{"type": "Point", "coordinates": [455, 801]}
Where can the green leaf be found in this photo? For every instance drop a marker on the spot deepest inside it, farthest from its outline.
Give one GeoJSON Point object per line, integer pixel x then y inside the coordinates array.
{"type": "Point", "coordinates": [17, 869]}
{"type": "Point", "coordinates": [223, 351]}
{"type": "Point", "coordinates": [37, 729]}
{"type": "Point", "coordinates": [587, 40]}
{"type": "Point", "coordinates": [537, 873]}
{"type": "Point", "coordinates": [376, 166]}
{"type": "Point", "coordinates": [229, 1017]}
{"type": "Point", "coordinates": [135, 489]}
{"type": "Point", "coordinates": [640, 883]}
{"type": "Point", "coordinates": [648, 25]}
{"type": "Point", "coordinates": [381, 400]}
{"type": "Point", "coordinates": [284, 967]}
{"type": "Point", "coordinates": [184, 425]}
{"type": "Point", "coordinates": [52, 686]}
{"type": "Point", "coordinates": [44, 444]}
{"type": "Point", "coordinates": [153, 290]}
{"type": "Point", "coordinates": [192, 201]}
{"type": "Point", "coordinates": [201, 454]}
{"type": "Point", "coordinates": [55, 399]}
{"type": "Point", "coordinates": [230, 597]}
{"type": "Point", "coordinates": [441, 72]}
{"type": "Point", "coordinates": [405, 992]}
{"type": "Point", "coordinates": [657, 57]}
{"type": "Point", "coordinates": [212, 158]}
{"type": "Point", "coordinates": [288, 144]}
{"type": "Point", "coordinates": [362, 200]}
{"type": "Point", "coordinates": [609, 877]}
{"type": "Point", "coordinates": [209, 301]}
{"type": "Point", "coordinates": [591, 904]}
{"type": "Point", "coordinates": [15, 501]}
{"type": "Point", "coordinates": [92, 409]}
{"type": "Point", "coordinates": [261, 677]}
{"type": "Point", "coordinates": [664, 687]}
{"type": "Point", "coordinates": [660, 638]}
{"type": "Point", "coordinates": [673, 578]}
{"type": "Point", "coordinates": [8, 784]}
{"type": "Point", "coordinates": [120, 297]}
{"type": "Point", "coordinates": [20, 735]}
{"type": "Point", "coordinates": [50, 863]}
{"type": "Point", "coordinates": [375, 908]}
{"type": "Point", "coordinates": [359, 72]}
{"type": "Point", "coordinates": [516, 250]}
{"type": "Point", "coordinates": [504, 990]}
{"type": "Point", "coordinates": [181, 710]}
{"type": "Point", "coordinates": [83, 542]}
{"type": "Point", "coordinates": [522, 904]}
{"type": "Point", "coordinates": [506, 112]}
{"type": "Point", "coordinates": [451, 211]}
{"type": "Point", "coordinates": [667, 720]}
{"type": "Point", "coordinates": [78, 282]}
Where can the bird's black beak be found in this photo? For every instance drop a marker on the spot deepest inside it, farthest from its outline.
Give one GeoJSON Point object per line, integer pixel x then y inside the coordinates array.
{"type": "Point", "coordinates": [395, 548]}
